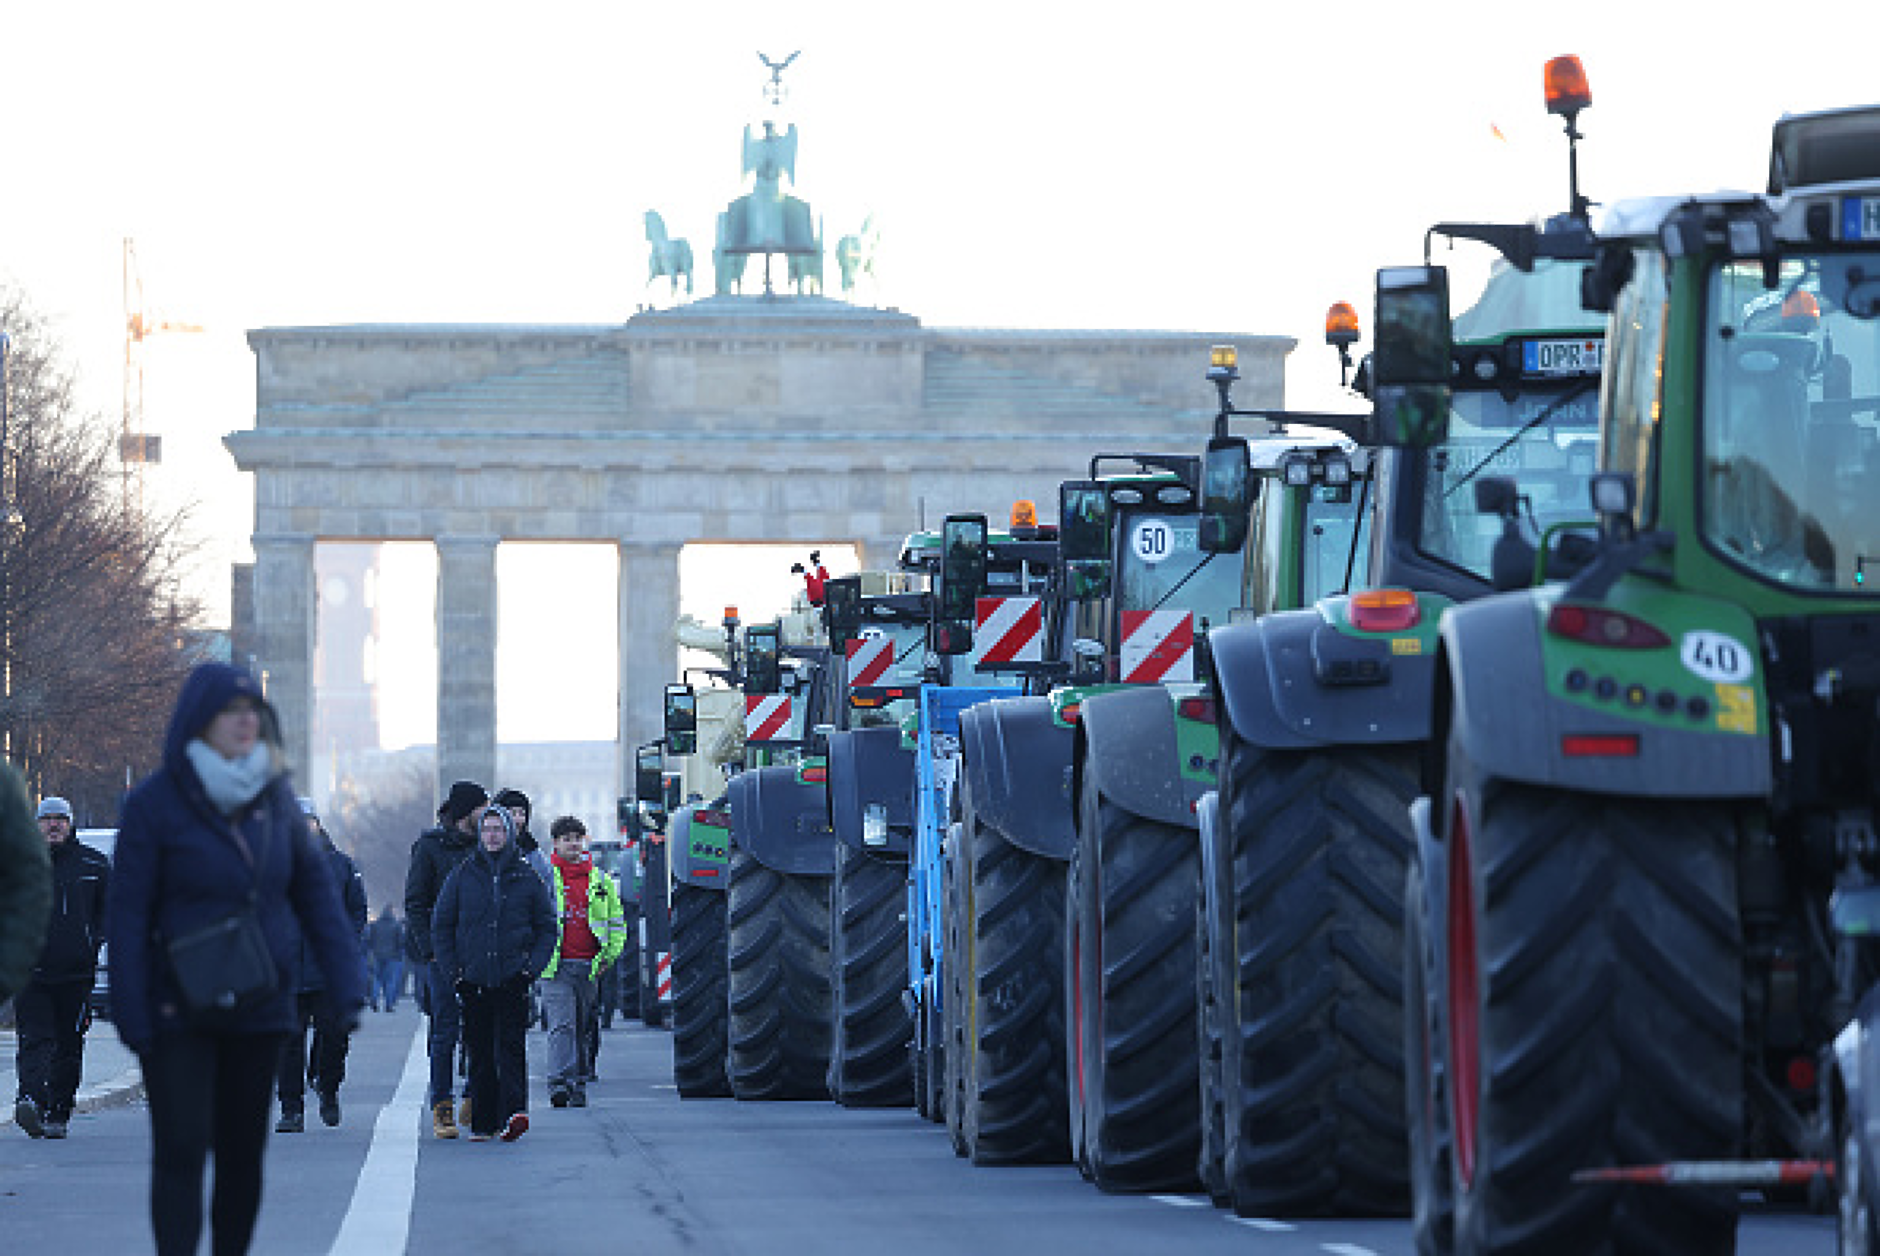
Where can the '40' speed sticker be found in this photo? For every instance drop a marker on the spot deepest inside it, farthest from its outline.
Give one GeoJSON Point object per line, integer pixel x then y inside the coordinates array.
{"type": "Point", "coordinates": [1720, 659]}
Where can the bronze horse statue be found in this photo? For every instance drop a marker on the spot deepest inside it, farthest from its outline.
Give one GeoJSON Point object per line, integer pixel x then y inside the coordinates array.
{"type": "Point", "coordinates": [670, 258]}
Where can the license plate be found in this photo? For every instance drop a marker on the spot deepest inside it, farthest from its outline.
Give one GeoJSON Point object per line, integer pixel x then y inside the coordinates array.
{"type": "Point", "coordinates": [1860, 218]}
{"type": "Point", "coordinates": [1555, 358]}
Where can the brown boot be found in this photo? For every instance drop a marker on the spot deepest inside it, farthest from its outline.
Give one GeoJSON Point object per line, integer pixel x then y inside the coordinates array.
{"type": "Point", "coordinates": [443, 1121]}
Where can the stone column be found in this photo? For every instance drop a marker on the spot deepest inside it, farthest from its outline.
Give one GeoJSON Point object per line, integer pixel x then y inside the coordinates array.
{"type": "Point", "coordinates": [466, 661]}
{"type": "Point", "coordinates": [283, 623]}
{"type": "Point", "coordinates": [649, 657]}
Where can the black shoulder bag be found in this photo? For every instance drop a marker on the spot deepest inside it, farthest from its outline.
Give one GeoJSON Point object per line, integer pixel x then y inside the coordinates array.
{"type": "Point", "coordinates": [225, 968]}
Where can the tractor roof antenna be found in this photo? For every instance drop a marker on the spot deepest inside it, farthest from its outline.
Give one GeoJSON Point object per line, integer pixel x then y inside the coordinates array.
{"type": "Point", "coordinates": [1567, 94]}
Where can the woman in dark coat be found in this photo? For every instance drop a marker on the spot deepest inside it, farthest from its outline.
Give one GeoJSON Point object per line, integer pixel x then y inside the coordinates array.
{"type": "Point", "coordinates": [494, 930]}
{"type": "Point", "coordinates": [217, 822]}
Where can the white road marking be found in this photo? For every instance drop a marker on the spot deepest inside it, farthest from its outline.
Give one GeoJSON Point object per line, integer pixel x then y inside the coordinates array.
{"type": "Point", "coordinates": [1263, 1223]}
{"type": "Point", "coordinates": [379, 1219]}
{"type": "Point", "coordinates": [1346, 1249]}
{"type": "Point", "coordinates": [1182, 1201]}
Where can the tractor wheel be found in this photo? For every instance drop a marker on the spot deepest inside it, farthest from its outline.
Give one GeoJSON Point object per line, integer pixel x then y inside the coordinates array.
{"type": "Point", "coordinates": [779, 982]}
{"type": "Point", "coordinates": [1315, 1112]}
{"type": "Point", "coordinates": [1011, 913]}
{"type": "Point", "coordinates": [1214, 1000]}
{"type": "Point", "coordinates": [1432, 1191]}
{"type": "Point", "coordinates": [868, 1065]}
{"type": "Point", "coordinates": [1593, 1006]}
{"type": "Point", "coordinates": [700, 1015]}
{"type": "Point", "coordinates": [956, 958]}
{"type": "Point", "coordinates": [1130, 973]}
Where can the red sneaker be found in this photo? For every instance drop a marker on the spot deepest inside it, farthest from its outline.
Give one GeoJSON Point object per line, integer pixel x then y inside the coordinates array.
{"type": "Point", "coordinates": [518, 1126]}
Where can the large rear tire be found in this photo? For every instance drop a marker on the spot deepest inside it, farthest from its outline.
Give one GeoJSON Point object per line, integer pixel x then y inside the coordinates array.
{"type": "Point", "coordinates": [1214, 994]}
{"type": "Point", "coordinates": [1011, 928]}
{"type": "Point", "coordinates": [1315, 1109]}
{"type": "Point", "coordinates": [957, 958]}
{"type": "Point", "coordinates": [1131, 1003]}
{"type": "Point", "coordinates": [1426, 1076]}
{"type": "Point", "coordinates": [700, 1014]}
{"type": "Point", "coordinates": [1593, 1005]}
{"type": "Point", "coordinates": [868, 1057]}
{"type": "Point", "coordinates": [779, 982]}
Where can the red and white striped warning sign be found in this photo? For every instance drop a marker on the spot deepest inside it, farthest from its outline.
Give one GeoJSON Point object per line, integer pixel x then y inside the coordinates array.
{"type": "Point", "coordinates": [766, 715]}
{"type": "Point", "coordinates": [1158, 646]}
{"type": "Point", "coordinates": [1008, 630]}
{"type": "Point", "coordinates": [662, 976]}
{"type": "Point", "coordinates": [869, 659]}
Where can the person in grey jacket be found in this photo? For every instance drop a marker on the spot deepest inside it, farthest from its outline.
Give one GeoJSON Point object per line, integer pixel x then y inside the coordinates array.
{"type": "Point", "coordinates": [493, 930]}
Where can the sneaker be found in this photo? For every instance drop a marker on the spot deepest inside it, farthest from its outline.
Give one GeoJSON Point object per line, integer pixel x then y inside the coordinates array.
{"type": "Point", "coordinates": [578, 1099]}
{"type": "Point", "coordinates": [26, 1112]}
{"type": "Point", "coordinates": [518, 1126]}
{"type": "Point", "coordinates": [463, 1111]}
{"type": "Point", "coordinates": [55, 1129]}
{"type": "Point", "coordinates": [329, 1110]}
{"type": "Point", "coordinates": [443, 1124]}
{"type": "Point", "coordinates": [557, 1098]}
{"type": "Point", "coordinates": [291, 1123]}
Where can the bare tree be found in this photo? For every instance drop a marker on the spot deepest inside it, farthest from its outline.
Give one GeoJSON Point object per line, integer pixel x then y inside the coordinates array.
{"type": "Point", "coordinates": [94, 624]}
{"type": "Point", "coordinates": [375, 818]}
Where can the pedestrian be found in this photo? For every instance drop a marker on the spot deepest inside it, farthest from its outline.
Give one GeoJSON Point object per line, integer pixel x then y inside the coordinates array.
{"type": "Point", "coordinates": [494, 931]}
{"type": "Point", "coordinates": [434, 856]}
{"type": "Point", "coordinates": [591, 929]}
{"type": "Point", "coordinates": [25, 885]}
{"type": "Point", "coordinates": [53, 1011]}
{"type": "Point", "coordinates": [517, 804]}
{"type": "Point", "coordinates": [325, 1064]}
{"type": "Point", "coordinates": [385, 945]}
{"type": "Point", "coordinates": [216, 878]}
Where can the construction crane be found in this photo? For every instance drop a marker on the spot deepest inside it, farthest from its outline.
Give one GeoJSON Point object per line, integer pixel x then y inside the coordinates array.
{"type": "Point", "coordinates": [136, 448]}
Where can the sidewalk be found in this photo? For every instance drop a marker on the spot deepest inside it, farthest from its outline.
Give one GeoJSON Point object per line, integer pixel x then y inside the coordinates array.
{"type": "Point", "coordinates": [111, 1074]}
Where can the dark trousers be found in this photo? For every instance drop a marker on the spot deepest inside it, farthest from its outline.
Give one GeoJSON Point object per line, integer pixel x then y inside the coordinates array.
{"type": "Point", "coordinates": [388, 978]}
{"type": "Point", "coordinates": [329, 1053]}
{"type": "Point", "coordinates": [50, 1018]}
{"type": "Point", "coordinates": [495, 1028]}
{"type": "Point", "coordinates": [446, 1029]}
{"type": "Point", "coordinates": [207, 1093]}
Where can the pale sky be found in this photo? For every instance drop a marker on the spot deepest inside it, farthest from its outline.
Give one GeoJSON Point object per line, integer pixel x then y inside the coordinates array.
{"type": "Point", "coordinates": [1212, 166]}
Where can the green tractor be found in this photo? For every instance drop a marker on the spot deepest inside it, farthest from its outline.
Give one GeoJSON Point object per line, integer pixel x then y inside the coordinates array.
{"type": "Point", "coordinates": [1647, 782]}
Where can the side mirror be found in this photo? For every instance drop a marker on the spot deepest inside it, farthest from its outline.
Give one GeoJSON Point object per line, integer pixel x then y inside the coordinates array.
{"type": "Point", "coordinates": [681, 719]}
{"type": "Point", "coordinates": [962, 566]}
{"type": "Point", "coordinates": [842, 608]}
{"type": "Point", "coordinates": [1496, 495]}
{"type": "Point", "coordinates": [1226, 495]}
{"type": "Point", "coordinates": [763, 667]}
{"type": "Point", "coordinates": [1083, 521]}
{"type": "Point", "coordinates": [648, 775]}
{"type": "Point", "coordinates": [1411, 359]}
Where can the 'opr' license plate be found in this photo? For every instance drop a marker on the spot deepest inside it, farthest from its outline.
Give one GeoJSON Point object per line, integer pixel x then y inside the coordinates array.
{"type": "Point", "coordinates": [1562, 357]}
{"type": "Point", "coordinates": [1860, 218]}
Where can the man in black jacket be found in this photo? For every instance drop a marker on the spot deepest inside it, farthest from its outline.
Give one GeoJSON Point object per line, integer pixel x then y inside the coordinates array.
{"type": "Point", "coordinates": [434, 856]}
{"type": "Point", "coordinates": [54, 1009]}
{"type": "Point", "coordinates": [330, 1039]}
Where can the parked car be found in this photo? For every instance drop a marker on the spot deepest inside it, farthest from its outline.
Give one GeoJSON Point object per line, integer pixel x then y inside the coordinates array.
{"type": "Point", "coordinates": [104, 841]}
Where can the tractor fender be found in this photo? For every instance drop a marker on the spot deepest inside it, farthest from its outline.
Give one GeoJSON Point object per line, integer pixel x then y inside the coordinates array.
{"type": "Point", "coordinates": [1266, 675]}
{"type": "Point", "coordinates": [1018, 766]}
{"type": "Point", "coordinates": [867, 766]}
{"type": "Point", "coordinates": [698, 855]}
{"type": "Point", "coordinates": [782, 823]}
{"type": "Point", "coordinates": [1496, 698]}
{"type": "Point", "coordinates": [1126, 746]}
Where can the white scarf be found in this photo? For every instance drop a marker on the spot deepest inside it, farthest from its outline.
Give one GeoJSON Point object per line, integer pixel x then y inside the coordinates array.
{"type": "Point", "coordinates": [231, 783]}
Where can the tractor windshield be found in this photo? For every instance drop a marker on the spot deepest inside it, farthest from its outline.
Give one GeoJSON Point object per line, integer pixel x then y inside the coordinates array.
{"type": "Point", "coordinates": [1331, 520]}
{"type": "Point", "coordinates": [1161, 565]}
{"type": "Point", "coordinates": [1526, 406]}
{"type": "Point", "coordinates": [1791, 421]}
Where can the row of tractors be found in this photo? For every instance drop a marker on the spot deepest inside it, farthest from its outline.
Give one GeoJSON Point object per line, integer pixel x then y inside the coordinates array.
{"type": "Point", "coordinates": [1444, 808]}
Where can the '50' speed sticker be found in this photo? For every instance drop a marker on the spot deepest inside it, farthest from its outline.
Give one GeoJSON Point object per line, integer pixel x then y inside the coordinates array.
{"type": "Point", "coordinates": [1720, 659]}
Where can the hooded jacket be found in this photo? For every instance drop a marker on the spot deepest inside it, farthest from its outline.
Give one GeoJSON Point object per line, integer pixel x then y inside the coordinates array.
{"type": "Point", "coordinates": [25, 885]}
{"type": "Point", "coordinates": [179, 867]}
{"type": "Point", "coordinates": [352, 896]}
{"type": "Point", "coordinates": [493, 923]}
{"type": "Point", "coordinates": [434, 856]}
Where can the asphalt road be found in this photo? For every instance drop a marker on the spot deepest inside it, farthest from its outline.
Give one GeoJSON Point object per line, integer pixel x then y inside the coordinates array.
{"type": "Point", "coordinates": [640, 1170]}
